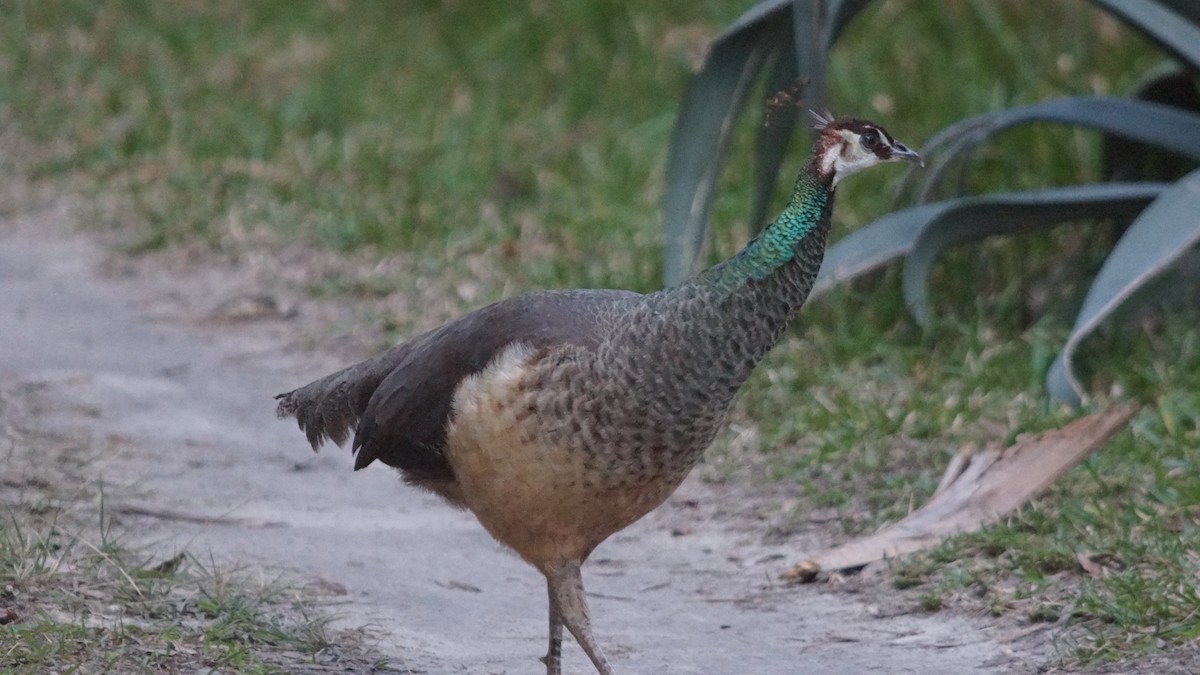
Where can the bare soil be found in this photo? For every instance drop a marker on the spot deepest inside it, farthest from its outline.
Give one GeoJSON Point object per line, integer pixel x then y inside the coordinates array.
{"type": "Point", "coordinates": [168, 365]}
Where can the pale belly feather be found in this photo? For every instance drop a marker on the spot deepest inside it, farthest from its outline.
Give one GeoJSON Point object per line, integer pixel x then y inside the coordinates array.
{"type": "Point", "coordinates": [549, 503]}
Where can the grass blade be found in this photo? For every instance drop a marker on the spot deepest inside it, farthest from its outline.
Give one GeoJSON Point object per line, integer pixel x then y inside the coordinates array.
{"type": "Point", "coordinates": [983, 217]}
{"type": "Point", "coordinates": [1153, 242]}
{"type": "Point", "coordinates": [702, 130]}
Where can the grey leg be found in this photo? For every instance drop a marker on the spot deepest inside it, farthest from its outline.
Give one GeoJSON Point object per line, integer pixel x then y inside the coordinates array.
{"type": "Point", "coordinates": [566, 589]}
{"type": "Point", "coordinates": [553, 657]}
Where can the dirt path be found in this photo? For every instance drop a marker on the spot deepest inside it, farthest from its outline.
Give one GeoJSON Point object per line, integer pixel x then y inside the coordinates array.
{"type": "Point", "coordinates": [182, 405]}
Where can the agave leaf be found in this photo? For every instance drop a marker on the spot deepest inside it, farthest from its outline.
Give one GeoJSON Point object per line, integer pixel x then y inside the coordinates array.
{"type": "Point", "coordinates": [753, 19]}
{"type": "Point", "coordinates": [809, 41]}
{"type": "Point", "coordinates": [1174, 26]}
{"type": "Point", "coordinates": [1124, 160]}
{"type": "Point", "coordinates": [894, 235]}
{"type": "Point", "coordinates": [980, 217]}
{"type": "Point", "coordinates": [1188, 8]}
{"type": "Point", "coordinates": [840, 13]}
{"type": "Point", "coordinates": [774, 137]}
{"type": "Point", "coordinates": [1145, 122]}
{"type": "Point", "coordinates": [1154, 241]}
{"type": "Point", "coordinates": [876, 244]}
{"type": "Point", "coordinates": [816, 25]}
{"type": "Point", "coordinates": [702, 130]}
{"type": "Point", "coordinates": [716, 96]}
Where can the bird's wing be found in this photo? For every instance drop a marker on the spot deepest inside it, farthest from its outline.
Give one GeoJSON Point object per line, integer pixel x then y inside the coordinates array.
{"type": "Point", "coordinates": [400, 399]}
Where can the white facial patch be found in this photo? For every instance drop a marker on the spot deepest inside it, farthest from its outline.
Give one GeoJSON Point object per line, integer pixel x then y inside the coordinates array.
{"type": "Point", "coordinates": [851, 157]}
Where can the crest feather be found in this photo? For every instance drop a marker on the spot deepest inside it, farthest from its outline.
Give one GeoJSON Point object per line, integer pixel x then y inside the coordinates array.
{"type": "Point", "coordinates": [821, 119]}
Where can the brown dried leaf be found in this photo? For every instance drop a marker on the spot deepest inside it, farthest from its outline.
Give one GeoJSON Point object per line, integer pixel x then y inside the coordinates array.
{"type": "Point", "coordinates": [979, 488]}
{"type": "Point", "coordinates": [1097, 565]}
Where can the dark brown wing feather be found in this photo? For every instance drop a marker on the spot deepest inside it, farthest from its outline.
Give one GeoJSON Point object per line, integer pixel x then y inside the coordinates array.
{"type": "Point", "coordinates": [400, 399]}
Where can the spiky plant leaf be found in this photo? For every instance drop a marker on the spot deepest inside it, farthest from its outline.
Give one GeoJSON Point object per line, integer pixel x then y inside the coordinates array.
{"type": "Point", "coordinates": [1145, 122]}
{"type": "Point", "coordinates": [873, 246]}
{"type": "Point", "coordinates": [1189, 9]}
{"type": "Point", "coordinates": [815, 31]}
{"type": "Point", "coordinates": [1174, 25]}
{"type": "Point", "coordinates": [702, 130]}
{"type": "Point", "coordinates": [802, 30]}
{"type": "Point", "coordinates": [816, 25]}
{"type": "Point", "coordinates": [975, 218]}
{"type": "Point", "coordinates": [1126, 160]}
{"type": "Point", "coordinates": [1148, 135]}
{"type": "Point", "coordinates": [719, 91]}
{"type": "Point", "coordinates": [774, 138]}
{"type": "Point", "coordinates": [1166, 230]}
{"type": "Point", "coordinates": [941, 224]}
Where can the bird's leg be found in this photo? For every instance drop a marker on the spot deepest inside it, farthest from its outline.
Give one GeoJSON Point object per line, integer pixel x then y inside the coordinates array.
{"type": "Point", "coordinates": [553, 657]}
{"type": "Point", "coordinates": [566, 591]}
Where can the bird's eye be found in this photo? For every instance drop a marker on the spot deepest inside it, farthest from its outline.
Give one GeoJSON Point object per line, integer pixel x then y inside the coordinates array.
{"type": "Point", "coordinates": [870, 139]}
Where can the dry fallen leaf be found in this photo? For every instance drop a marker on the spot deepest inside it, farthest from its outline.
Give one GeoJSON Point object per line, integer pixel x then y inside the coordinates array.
{"type": "Point", "coordinates": [979, 487]}
{"type": "Point", "coordinates": [1094, 569]}
{"type": "Point", "coordinates": [1097, 565]}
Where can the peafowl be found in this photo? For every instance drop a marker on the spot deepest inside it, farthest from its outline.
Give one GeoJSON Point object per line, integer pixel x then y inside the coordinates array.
{"type": "Point", "coordinates": [561, 417]}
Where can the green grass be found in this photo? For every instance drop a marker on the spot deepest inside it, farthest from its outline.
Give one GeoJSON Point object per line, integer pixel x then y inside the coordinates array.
{"type": "Point", "coordinates": [404, 126]}
{"type": "Point", "coordinates": [521, 146]}
{"type": "Point", "coordinates": [74, 598]}
{"type": "Point", "coordinates": [72, 608]}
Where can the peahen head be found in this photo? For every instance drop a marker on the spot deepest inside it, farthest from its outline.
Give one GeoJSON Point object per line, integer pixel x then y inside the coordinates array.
{"type": "Point", "coordinates": [796, 239]}
{"type": "Point", "coordinates": [848, 145]}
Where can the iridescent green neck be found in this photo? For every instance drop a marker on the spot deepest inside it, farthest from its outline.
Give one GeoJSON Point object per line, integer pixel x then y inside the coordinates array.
{"type": "Point", "coordinates": [775, 246]}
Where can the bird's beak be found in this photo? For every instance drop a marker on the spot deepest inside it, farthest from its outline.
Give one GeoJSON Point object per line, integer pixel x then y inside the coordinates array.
{"type": "Point", "coordinates": [901, 151]}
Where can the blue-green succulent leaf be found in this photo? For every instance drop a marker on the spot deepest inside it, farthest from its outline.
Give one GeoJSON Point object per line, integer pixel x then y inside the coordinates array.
{"type": "Point", "coordinates": [1174, 26]}
{"type": "Point", "coordinates": [1155, 240]}
{"type": "Point", "coordinates": [979, 217]}
{"type": "Point", "coordinates": [1153, 124]}
{"type": "Point", "coordinates": [932, 227]}
{"type": "Point", "coordinates": [702, 130]}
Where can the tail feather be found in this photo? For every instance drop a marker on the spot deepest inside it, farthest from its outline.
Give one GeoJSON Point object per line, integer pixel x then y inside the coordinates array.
{"type": "Point", "coordinates": [328, 409]}
{"type": "Point", "coordinates": [321, 411]}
